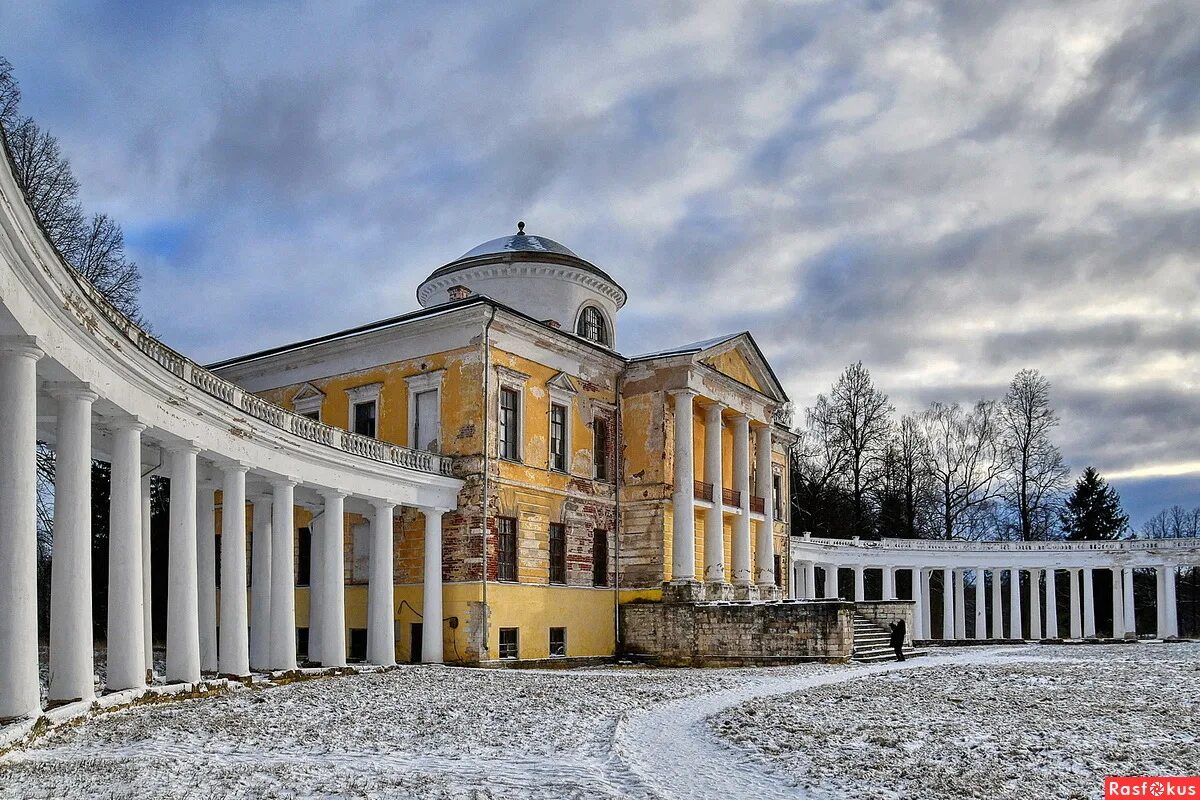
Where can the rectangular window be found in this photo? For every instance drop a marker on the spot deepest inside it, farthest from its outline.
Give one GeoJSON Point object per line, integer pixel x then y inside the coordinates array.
{"type": "Point", "coordinates": [777, 496]}
{"type": "Point", "coordinates": [425, 420]}
{"type": "Point", "coordinates": [599, 557]}
{"type": "Point", "coordinates": [506, 549]}
{"type": "Point", "coordinates": [558, 641]}
{"type": "Point", "coordinates": [778, 570]}
{"type": "Point", "coordinates": [303, 557]}
{"type": "Point", "coordinates": [509, 433]}
{"type": "Point", "coordinates": [509, 647]}
{"type": "Point", "coordinates": [558, 553]}
{"type": "Point", "coordinates": [364, 418]}
{"type": "Point", "coordinates": [558, 437]}
{"type": "Point", "coordinates": [313, 415]}
{"type": "Point", "coordinates": [600, 447]}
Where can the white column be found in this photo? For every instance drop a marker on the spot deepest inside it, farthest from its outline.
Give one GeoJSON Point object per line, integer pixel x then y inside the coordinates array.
{"type": "Point", "coordinates": [183, 629]}
{"type": "Point", "coordinates": [889, 583]}
{"type": "Point", "coordinates": [72, 669]}
{"type": "Point", "coordinates": [860, 592]}
{"type": "Point", "coordinates": [810, 580]}
{"type": "Point", "coordinates": [1118, 603]}
{"type": "Point", "coordinates": [206, 572]}
{"type": "Point", "coordinates": [147, 576]}
{"type": "Point", "coordinates": [1127, 606]}
{"type": "Point", "coordinates": [431, 611]}
{"type": "Point", "coordinates": [381, 626]}
{"type": "Point", "coordinates": [316, 596]}
{"type": "Point", "coordinates": [283, 575]}
{"type": "Point", "coordinates": [1171, 606]}
{"type": "Point", "coordinates": [741, 484]}
{"type": "Point", "coordinates": [1074, 600]}
{"type": "Point", "coordinates": [960, 604]}
{"type": "Point", "coordinates": [926, 596]}
{"type": "Point", "coordinates": [764, 549]}
{"type": "Point", "coordinates": [1089, 605]}
{"type": "Point", "coordinates": [1014, 605]}
{"type": "Point", "coordinates": [333, 580]}
{"type": "Point", "coordinates": [947, 603]}
{"type": "Point", "coordinates": [20, 693]}
{"type": "Point", "coordinates": [997, 603]}
{"type": "Point", "coordinates": [1035, 605]}
{"type": "Point", "coordinates": [714, 525]}
{"type": "Point", "coordinates": [235, 645]}
{"type": "Point", "coordinates": [918, 598]}
{"type": "Point", "coordinates": [1051, 606]}
{"type": "Point", "coordinates": [980, 604]}
{"type": "Point", "coordinates": [683, 521]}
{"type": "Point", "coordinates": [126, 638]}
{"type": "Point", "coordinates": [1160, 611]}
{"type": "Point", "coordinates": [831, 581]}
{"type": "Point", "coordinates": [260, 583]}
{"type": "Point", "coordinates": [795, 581]}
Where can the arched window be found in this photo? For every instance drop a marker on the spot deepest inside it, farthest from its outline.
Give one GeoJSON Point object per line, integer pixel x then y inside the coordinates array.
{"type": "Point", "coordinates": [593, 326]}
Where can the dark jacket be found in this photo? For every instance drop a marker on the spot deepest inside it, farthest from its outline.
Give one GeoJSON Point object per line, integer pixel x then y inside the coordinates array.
{"type": "Point", "coordinates": [899, 629]}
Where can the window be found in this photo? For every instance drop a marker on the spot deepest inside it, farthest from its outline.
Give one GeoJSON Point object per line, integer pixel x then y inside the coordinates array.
{"type": "Point", "coordinates": [364, 409]}
{"type": "Point", "coordinates": [558, 437]}
{"type": "Point", "coordinates": [593, 326]}
{"type": "Point", "coordinates": [599, 557]}
{"type": "Point", "coordinates": [217, 560]}
{"type": "Point", "coordinates": [777, 495]}
{"type": "Point", "coordinates": [558, 552]}
{"type": "Point", "coordinates": [508, 643]}
{"type": "Point", "coordinates": [600, 447]}
{"type": "Point", "coordinates": [304, 557]}
{"type": "Point", "coordinates": [313, 415]}
{"type": "Point", "coordinates": [510, 401]}
{"type": "Point", "coordinates": [506, 549]}
{"type": "Point", "coordinates": [364, 418]}
{"type": "Point", "coordinates": [558, 641]}
{"type": "Point", "coordinates": [778, 570]}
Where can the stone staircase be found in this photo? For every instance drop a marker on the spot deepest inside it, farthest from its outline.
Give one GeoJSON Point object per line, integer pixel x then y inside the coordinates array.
{"type": "Point", "coordinates": [871, 643]}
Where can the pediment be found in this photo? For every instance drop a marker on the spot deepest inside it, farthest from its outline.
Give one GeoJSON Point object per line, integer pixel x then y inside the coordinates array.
{"type": "Point", "coordinates": [563, 382]}
{"type": "Point", "coordinates": [740, 359]}
{"type": "Point", "coordinates": [307, 392]}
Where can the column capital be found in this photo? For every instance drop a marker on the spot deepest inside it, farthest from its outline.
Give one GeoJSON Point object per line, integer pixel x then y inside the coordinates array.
{"type": "Point", "coordinates": [686, 392]}
{"type": "Point", "coordinates": [229, 465]}
{"type": "Point", "coordinates": [185, 446]}
{"type": "Point", "coordinates": [713, 409]}
{"type": "Point", "coordinates": [332, 494]}
{"type": "Point", "coordinates": [25, 346]}
{"type": "Point", "coordinates": [125, 422]}
{"type": "Point", "coordinates": [72, 390]}
{"type": "Point", "coordinates": [284, 481]}
{"type": "Point", "coordinates": [383, 505]}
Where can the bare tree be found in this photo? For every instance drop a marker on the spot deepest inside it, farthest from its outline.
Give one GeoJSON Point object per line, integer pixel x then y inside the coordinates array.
{"type": "Point", "coordinates": [859, 418]}
{"type": "Point", "coordinates": [1036, 475]}
{"type": "Point", "coordinates": [963, 461]}
{"type": "Point", "coordinates": [10, 94]}
{"type": "Point", "coordinates": [907, 494]}
{"type": "Point", "coordinates": [1175, 522]}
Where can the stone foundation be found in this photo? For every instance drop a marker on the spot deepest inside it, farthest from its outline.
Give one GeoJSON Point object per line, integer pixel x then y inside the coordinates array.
{"type": "Point", "coordinates": [885, 612]}
{"type": "Point", "coordinates": [713, 634]}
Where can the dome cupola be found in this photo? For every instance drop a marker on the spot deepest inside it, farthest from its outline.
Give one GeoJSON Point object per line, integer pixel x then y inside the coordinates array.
{"type": "Point", "coordinates": [536, 276]}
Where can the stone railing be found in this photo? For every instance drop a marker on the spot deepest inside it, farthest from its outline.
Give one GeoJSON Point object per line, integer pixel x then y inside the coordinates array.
{"type": "Point", "coordinates": [942, 545]}
{"type": "Point", "coordinates": [276, 416]}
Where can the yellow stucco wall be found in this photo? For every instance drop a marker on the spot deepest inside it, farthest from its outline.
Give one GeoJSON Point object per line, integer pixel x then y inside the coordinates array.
{"type": "Point", "coordinates": [587, 614]}
{"type": "Point", "coordinates": [733, 364]}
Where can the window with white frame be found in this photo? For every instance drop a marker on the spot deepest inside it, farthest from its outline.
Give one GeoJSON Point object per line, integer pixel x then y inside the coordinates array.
{"type": "Point", "coordinates": [508, 435]}
{"type": "Point", "coordinates": [558, 437]}
{"type": "Point", "coordinates": [364, 409]}
{"type": "Point", "coordinates": [424, 411]}
{"type": "Point", "coordinates": [601, 448]}
{"type": "Point", "coordinates": [593, 326]}
{"type": "Point", "coordinates": [307, 402]}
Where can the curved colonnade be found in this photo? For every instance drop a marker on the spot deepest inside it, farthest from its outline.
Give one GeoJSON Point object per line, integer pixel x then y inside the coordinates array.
{"type": "Point", "coordinates": [77, 374]}
{"type": "Point", "coordinates": [1042, 562]}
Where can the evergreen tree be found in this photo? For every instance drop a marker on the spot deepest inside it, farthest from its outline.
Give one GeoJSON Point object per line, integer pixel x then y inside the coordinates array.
{"type": "Point", "coordinates": [1093, 511]}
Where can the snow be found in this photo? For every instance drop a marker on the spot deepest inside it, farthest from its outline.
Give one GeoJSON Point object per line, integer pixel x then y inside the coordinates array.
{"type": "Point", "coordinates": [972, 720]}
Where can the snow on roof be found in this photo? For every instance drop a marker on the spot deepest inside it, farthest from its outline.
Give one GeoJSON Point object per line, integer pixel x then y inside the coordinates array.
{"type": "Point", "coordinates": [692, 347]}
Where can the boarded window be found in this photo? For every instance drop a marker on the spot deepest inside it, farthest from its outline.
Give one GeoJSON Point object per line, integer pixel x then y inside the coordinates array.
{"type": "Point", "coordinates": [509, 647]}
{"type": "Point", "coordinates": [509, 404]}
{"type": "Point", "coordinates": [558, 552]}
{"type": "Point", "coordinates": [600, 557]}
{"type": "Point", "coordinates": [558, 641]}
{"type": "Point", "coordinates": [426, 420]}
{"type": "Point", "coordinates": [506, 549]}
{"type": "Point", "coordinates": [558, 438]}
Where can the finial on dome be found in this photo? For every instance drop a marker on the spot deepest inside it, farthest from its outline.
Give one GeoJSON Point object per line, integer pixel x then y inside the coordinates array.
{"type": "Point", "coordinates": [520, 229]}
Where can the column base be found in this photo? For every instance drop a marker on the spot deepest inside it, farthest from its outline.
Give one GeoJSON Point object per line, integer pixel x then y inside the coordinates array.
{"type": "Point", "coordinates": [770, 592]}
{"type": "Point", "coordinates": [682, 591]}
{"type": "Point", "coordinates": [745, 591]}
{"type": "Point", "coordinates": [718, 591]}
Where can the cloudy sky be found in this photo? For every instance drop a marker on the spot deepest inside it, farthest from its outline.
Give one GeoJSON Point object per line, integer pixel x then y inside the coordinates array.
{"type": "Point", "coordinates": [948, 191]}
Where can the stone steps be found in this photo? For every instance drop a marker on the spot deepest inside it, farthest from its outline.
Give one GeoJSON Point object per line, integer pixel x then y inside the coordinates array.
{"type": "Point", "coordinates": [872, 643]}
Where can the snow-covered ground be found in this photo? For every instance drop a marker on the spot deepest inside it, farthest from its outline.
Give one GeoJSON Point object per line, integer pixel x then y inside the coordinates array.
{"type": "Point", "coordinates": [963, 721]}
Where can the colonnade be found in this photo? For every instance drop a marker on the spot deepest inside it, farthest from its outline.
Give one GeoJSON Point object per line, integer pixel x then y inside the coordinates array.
{"type": "Point", "coordinates": [717, 500]}
{"type": "Point", "coordinates": [259, 634]}
{"type": "Point", "coordinates": [995, 618]}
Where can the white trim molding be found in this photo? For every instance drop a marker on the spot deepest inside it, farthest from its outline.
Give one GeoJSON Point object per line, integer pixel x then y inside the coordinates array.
{"type": "Point", "coordinates": [419, 384]}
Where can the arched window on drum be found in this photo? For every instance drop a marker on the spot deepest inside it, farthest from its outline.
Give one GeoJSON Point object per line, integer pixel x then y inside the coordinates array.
{"type": "Point", "coordinates": [592, 325]}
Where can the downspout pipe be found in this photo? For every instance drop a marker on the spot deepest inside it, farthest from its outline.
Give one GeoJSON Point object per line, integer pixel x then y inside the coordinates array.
{"type": "Point", "coordinates": [487, 415]}
{"type": "Point", "coordinates": [619, 458]}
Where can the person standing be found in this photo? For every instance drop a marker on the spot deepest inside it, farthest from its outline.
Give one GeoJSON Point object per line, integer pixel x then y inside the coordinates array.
{"type": "Point", "coordinates": [899, 629]}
